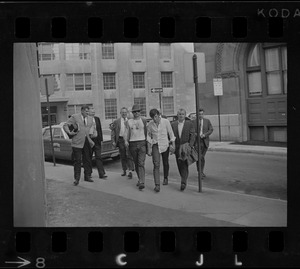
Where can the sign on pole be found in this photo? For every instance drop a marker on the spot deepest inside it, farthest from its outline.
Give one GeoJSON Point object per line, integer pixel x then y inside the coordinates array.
{"type": "Point", "coordinates": [49, 80]}
{"type": "Point", "coordinates": [188, 67]}
{"type": "Point", "coordinates": [218, 87]}
{"type": "Point", "coordinates": [156, 90]}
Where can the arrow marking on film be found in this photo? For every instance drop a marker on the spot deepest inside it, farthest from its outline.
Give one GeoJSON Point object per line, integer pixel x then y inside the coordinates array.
{"type": "Point", "coordinates": [22, 263]}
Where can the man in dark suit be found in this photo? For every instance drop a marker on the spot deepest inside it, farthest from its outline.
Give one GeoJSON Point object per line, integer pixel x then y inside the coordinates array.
{"type": "Point", "coordinates": [205, 130]}
{"type": "Point", "coordinates": [118, 129]}
{"type": "Point", "coordinates": [184, 132]}
{"type": "Point", "coordinates": [98, 143]}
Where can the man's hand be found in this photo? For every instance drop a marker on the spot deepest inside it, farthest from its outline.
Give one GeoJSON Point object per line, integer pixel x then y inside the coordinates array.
{"type": "Point", "coordinates": [172, 149]}
{"type": "Point", "coordinates": [114, 144]}
{"type": "Point", "coordinates": [72, 133]}
{"type": "Point", "coordinates": [126, 143]}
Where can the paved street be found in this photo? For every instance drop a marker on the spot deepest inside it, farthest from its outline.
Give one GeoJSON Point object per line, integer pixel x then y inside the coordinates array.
{"type": "Point", "coordinates": [256, 174]}
{"type": "Point", "coordinates": [223, 202]}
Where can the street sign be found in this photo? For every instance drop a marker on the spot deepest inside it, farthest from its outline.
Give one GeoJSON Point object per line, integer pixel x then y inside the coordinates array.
{"type": "Point", "coordinates": [218, 87]}
{"type": "Point", "coordinates": [49, 80]}
{"type": "Point", "coordinates": [188, 67]}
{"type": "Point", "coordinates": [156, 90]}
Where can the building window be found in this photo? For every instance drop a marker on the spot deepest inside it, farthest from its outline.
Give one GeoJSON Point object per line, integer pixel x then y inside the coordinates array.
{"type": "Point", "coordinates": [165, 50]}
{"type": "Point", "coordinates": [108, 51]}
{"type": "Point", "coordinates": [56, 81]}
{"type": "Point", "coordinates": [166, 80]}
{"type": "Point", "coordinates": [141, 101]}
{"type": "Point", "coordinates": [168, 105]}
{"type": "Point", "coordinates": [109, 81]}
{"type": "Point", "coordinates": [267, 69]}
{"type": "Point", "coordinates": [78, 82]}
{"type": "Point", "coordinates": [137, 51]}
{"type": "Point", "coordinates": [110, 108]}
{"type": "Point", "coordinates": [138, 80]}
{"type": "Point", "coordinates": [78, 51]}
{"type": "Point", "coordinates": [48, 51]}
{"type": "Point", "coordinates": [74, 109]}
{"type": "Point", "coordinates": [53, 112]}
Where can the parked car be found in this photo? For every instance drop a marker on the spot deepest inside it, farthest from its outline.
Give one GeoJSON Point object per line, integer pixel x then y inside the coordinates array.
{"type": "Point", "coordinates": [192, 115]}
{"type": "Point", "coordinates": [62, 144]}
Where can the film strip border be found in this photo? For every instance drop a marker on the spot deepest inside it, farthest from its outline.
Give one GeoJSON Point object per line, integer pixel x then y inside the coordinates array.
{"type": "Point", "coordinates": [194, 21]}
{"type": "Point", "coordinates": [166, 247]}
{"type": "Point", "coordinates": [149, 22]}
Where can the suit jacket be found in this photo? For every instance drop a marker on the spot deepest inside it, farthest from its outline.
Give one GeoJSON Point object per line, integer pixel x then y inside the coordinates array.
{"type": "Point", "coordinates": [83, 131]}
{"type": "Point", "coordinates": [115, 131]}
{"type": "Point", "coordinates": [99, 137]}
{"type": "Point", "coordinates": [187, 135]}
{"type": "Point", "coordinates": [207, 131]}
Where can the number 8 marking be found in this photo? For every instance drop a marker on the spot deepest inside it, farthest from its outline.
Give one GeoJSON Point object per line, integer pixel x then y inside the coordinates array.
{"type": "Point", "coordinates": [40, 263]}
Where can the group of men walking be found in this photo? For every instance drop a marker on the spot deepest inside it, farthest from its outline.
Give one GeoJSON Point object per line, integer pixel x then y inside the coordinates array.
{"type": "Point", "coordinates": [136, 138]}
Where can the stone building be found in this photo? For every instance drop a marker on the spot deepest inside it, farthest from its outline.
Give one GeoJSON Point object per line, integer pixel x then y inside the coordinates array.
{"type": "Point", "coordinates": [254, 101]}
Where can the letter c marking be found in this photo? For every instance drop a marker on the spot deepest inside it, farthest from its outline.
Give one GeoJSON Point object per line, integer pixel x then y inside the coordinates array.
{"type": "Point", "coordinates": [120, 261]}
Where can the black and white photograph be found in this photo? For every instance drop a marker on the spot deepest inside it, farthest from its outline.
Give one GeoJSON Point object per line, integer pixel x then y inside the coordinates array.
{"type": "Point", "coordinates": [150, 134]}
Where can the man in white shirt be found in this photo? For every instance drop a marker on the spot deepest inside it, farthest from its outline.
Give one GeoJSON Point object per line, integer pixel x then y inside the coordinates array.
{"type": "Point", "coordinates": [118, 129]}
{"type": "Point", "coordinates": [135, 138]}
{"type": "Point", "coordinates": [160, 134]}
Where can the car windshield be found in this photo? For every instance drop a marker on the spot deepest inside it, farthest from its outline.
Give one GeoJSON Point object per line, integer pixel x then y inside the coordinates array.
{"type": "Point", "coordinates": [46, 133]}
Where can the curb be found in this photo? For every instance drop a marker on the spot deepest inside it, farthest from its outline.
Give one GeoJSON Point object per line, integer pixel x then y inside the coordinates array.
{"type": "Point", "coordinates": [283, 154]}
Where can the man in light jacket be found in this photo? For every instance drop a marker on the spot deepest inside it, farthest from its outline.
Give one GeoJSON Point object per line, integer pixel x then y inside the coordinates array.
{"type": "Point", "coordinates": [118, 129]}
{"type": "Point", "coordinates": [81, 142]}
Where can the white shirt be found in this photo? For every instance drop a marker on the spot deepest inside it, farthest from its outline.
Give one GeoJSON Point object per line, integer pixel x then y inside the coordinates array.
{"type": "Point", "coordinates": [122, 131]}
{"type": "Point", "coordinates": [180, 127]}
{"type": "Point", "coordinates": [84, 120]}
{"type": "Point", "coordinates": [201, 129]}
{"type": "Point", "coordinates": [159, 134]}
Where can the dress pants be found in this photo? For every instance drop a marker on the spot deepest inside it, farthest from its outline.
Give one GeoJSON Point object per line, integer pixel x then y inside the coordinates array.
{"type": "Point", "coordinates": [138, 153]}
{"type": "Point", "coordinates": [156, 163]}
{"type": "Point", "coordinates": [203, 152]}
{"type": "Point", "coordinates": [126, 158]}
{"type": "Point", "coordinates": [85, 154]}
{"type": "Point", "coordinates": [99, 161]}
{"type": "Point", "coordinates": [183, 169]}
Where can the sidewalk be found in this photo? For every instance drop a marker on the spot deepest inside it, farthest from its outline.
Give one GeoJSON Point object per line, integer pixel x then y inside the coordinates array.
{"type": "Point", "coordinates": [228, 146]}
{"type": "Point", "coordinates": [237, 209]}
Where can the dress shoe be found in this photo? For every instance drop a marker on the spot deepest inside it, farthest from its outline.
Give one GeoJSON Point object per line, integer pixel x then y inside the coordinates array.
{"type": "Point", "coordinates": [124, 173]}
{"type": "Point", "coordinates": [182, 187]}
{"type": "Point", "coordinates": [138, 183]}
{"type": "Point", "coordinates": [103, 177]}
{"type": "Point", "coordinates": [141, 186]}
{"type": "Point", "coordinates": [165, 181]}
{"type": "Point", "coordinates": [76, 182]}
{"type": "Point", "coordinates": [129, 175]}
{"type": "Point", "coordinates": [157, 188]}
{"type": "Point", "coordinates": [88, 180]}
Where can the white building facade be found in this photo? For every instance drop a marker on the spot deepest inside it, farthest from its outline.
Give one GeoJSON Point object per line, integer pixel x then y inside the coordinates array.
{"type": "Point", "coordinates": [110, 76]}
